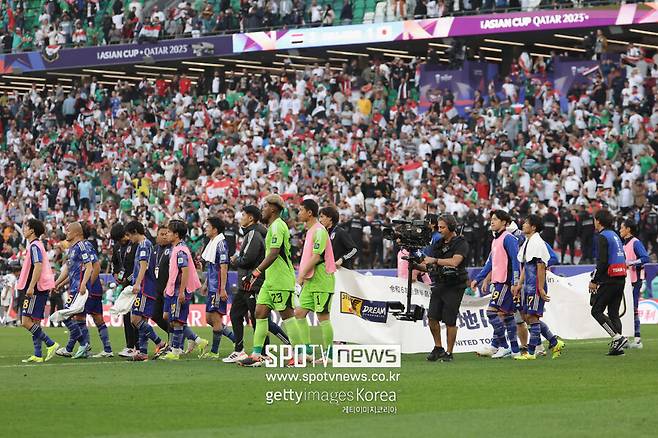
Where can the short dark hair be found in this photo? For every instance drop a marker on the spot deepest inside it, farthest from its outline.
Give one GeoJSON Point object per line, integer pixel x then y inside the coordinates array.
{"type": "Point", "coordinates": [502, 215]}
{"type": "Point", "coordinates": [311, 206]}
{"type": "Point", "coordinates": [117, 232]}
{"type": "Point", "coordinates": [254, 212]}
{"type": "Point", "coordinates": [37, 226]}
{"type": "Point", "coordinates": [133, 227]}
{"type": "Point", "coordinates": [331, 213]}
{"type": "Point", "coordinates": [535, 221]}
{"type": "Point", "coordinates": [605, 218]}
{"type": "Point", "coordinates": [86, 230]}
{"type": "Point", "coordinates": [631, 225]}
{"type": "Point", "coordinates": [217, 224]}
{"type": "Point", "coordinates": [178, 227]}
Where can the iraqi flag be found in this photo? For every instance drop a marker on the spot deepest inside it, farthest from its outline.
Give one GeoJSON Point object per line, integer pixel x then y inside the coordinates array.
{"type": "Point", "coordinates": [51, 53]}
{"type": "Point", "coordinates": [149, 31]}
{"type": "Point", "coordinates": [412, 171]}
{"type": "Point", "coordinates": [217, 188]}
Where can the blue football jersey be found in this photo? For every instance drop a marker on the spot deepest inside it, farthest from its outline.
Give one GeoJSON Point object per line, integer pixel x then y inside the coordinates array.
{"type": "Point", "coordinates": [143, 253]}
{"type": "Point", "coordinates": [214, 269]}
{"type": "Point", "coordinates": [77, 257]}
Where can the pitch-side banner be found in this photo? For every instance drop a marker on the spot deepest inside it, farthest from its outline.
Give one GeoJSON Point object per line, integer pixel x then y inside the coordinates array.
{"type": "Point", "coordinates": [359, 313]}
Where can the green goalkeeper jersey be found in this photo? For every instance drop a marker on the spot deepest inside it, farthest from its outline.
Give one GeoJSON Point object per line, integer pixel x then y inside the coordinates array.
{"type": "Point", "coordinates": [280, 275]}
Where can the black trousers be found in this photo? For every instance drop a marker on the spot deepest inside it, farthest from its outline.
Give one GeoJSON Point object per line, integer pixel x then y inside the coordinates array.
{"type": "Point", "coordinates": [158, 310]}
{"type": "Point", "coordinates": [564, 246]}
{"type": "Point", "coordinates": [130, 332]}
{"type": "Point", "coordinates": [609, 297]}
{"type": "Point", "coordinates": [587, 244]}
{"type": "Point", "coordinates": [243, 308]}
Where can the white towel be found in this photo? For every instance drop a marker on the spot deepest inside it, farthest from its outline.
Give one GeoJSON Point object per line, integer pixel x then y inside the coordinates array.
{"type": "Point", "coordinates": [77, 306]}
{"type": "Point", "coordinates": [210, 252]}
{"type": "Point", "coordinates": [124, 302]}
{"type": "Point", "coordinates": [534, 248]}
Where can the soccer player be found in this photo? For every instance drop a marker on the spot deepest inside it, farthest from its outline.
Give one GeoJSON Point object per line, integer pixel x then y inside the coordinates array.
{"type": "Point", "coordinates": [94, 303]}
{"type": "Point", "coordinates": [316, 276]}
{"type": "Point", "coordinates": [36, 280]}
{"type": "Point", "coordinates": [276, 292]}
{"type": "Point", "coordinates": [77, 271]}
{"type": "Point", "coordinates": [216, 256]}
{"type": "Point", "coordinates": [251, 254]}
{"type": "Point", "coordinates": [534, 257]}
{"type": "Point", "coordinates": [636, 257]}
{"type": "Point", "coordinates": [144, 283]}
{"type": "Point", "coordinates": [503, 266]}
{"type": "Point", "coordinates": [183, 281]}
{"type": "Point", "coordinates": [607, 284]}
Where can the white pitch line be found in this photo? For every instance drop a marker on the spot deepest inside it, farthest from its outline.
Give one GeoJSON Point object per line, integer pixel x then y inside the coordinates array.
{"type": "Point", "coordinates": [77, 364]}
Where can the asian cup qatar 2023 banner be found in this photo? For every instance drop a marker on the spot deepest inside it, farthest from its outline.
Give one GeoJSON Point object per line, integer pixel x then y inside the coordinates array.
{"type": "Point", "coordinates": [360, 315]}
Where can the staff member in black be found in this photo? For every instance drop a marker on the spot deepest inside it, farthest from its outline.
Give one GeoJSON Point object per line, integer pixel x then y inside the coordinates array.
{"type": "Point", "coordinates": [607, 285]}
{"type": "Point", "coordinates": [344, 248]}
{"type": "Point", "coordinates": [160, 264]}
{"type": "Point", "coordinates": [447, 266]}
{"type": "Point", "coordinates": [123, 259]}
{"type": "Point", "coordinates": [550, 222]}
{"type": "Point", "coordinates": [231, 231]}
{"type": "Point", "coordinates": [252, 253]}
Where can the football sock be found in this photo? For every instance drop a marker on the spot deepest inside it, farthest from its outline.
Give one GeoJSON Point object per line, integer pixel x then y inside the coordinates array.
{"type": "Point", "coordinates": [260, 332]}
{"type": "Point", "coordinates": [277, 331]}
{"type": "Point", "coordinates": [291, 327]}
{"type": "Point", "coordinates": [84, 339]}
{"type": "Point", "coordinates": [37, 331]}
{"type": "Point", "coordinates": [510, 325]}
{"type": "Point", "coordinates": [228, 333]}
{"type": "Point", "coordinates": [216, 338]}
{"type": "Point", "coordinates": [547, 334]}
{"type": "Point", "coordinates": [327, 335]}
{"type": "Point", "coordinates": [105, 338]}
{"type": "Point", "coordinates": [74, 333]}
{"type": "Point", "coordinates": [142, 341]}
{"type": "Point", "coordinates": [37, 338]}
{"type": "Point", "coordinates": [177, 338]}
{"type": "Point", "coordinates": [535, 337]}
{"type": "Point", "coordinates": [304, 333]}
{"type": "Point", "coordinates": [498, 328]}
{"type": "Point", "coordinates": [189, 334]}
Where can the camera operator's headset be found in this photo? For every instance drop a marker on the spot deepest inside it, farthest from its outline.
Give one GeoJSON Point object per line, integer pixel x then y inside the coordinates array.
{"type": "Point", "coordinates": [450, 221]}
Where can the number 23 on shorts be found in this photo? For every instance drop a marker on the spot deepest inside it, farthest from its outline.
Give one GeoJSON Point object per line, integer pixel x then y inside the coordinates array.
{"type": "Point", "coordinates": [277, 297]}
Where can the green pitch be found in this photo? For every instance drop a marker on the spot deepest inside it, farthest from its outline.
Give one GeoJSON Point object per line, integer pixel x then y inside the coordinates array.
{"type": "Point", "coordinates": [584, 393]}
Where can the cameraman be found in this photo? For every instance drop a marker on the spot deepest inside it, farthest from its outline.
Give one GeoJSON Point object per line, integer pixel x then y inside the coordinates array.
{"type": "Point", "coordinates": [447, 267]}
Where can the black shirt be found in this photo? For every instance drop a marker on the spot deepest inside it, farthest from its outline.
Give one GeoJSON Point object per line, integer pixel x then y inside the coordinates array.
{"type": "Point", "coordinates": [343, 246]}
{"type": "Point", "coordinates": [123, 261]}
{"type": "Point", "coordinates": [445, 250]}
{"type": "Point", "coordinates": [162, 254]}
{"type": "Point", "coordinates": [231, 234]}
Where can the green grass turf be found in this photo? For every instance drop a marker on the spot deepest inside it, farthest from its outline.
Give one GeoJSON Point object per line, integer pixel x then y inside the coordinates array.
{"type": "Point", "coordinates": [584, 393]}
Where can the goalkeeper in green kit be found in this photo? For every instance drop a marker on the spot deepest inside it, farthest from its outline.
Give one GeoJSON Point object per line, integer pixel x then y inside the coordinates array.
{"type": "Point", "coordinates": [316, 276]}
{"type": "Point", "coordinates": [277, 290]}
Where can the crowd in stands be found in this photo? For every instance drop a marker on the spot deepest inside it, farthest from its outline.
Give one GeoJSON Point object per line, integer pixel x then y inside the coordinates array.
{"type": "Point", "coordinates": [188, 148]}
{"type": "Point", "coordinates": [28, 25]}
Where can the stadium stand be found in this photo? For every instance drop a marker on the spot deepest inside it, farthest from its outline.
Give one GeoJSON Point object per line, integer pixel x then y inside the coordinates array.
{"type": "Point", "coordinates": [36, 24]}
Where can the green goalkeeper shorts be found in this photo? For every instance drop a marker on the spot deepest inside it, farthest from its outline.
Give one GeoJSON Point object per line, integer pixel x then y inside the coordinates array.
{"type": "Point", "coordinates": [276, 300]}
{"type": "Point", "coordinates": [318, 302]}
